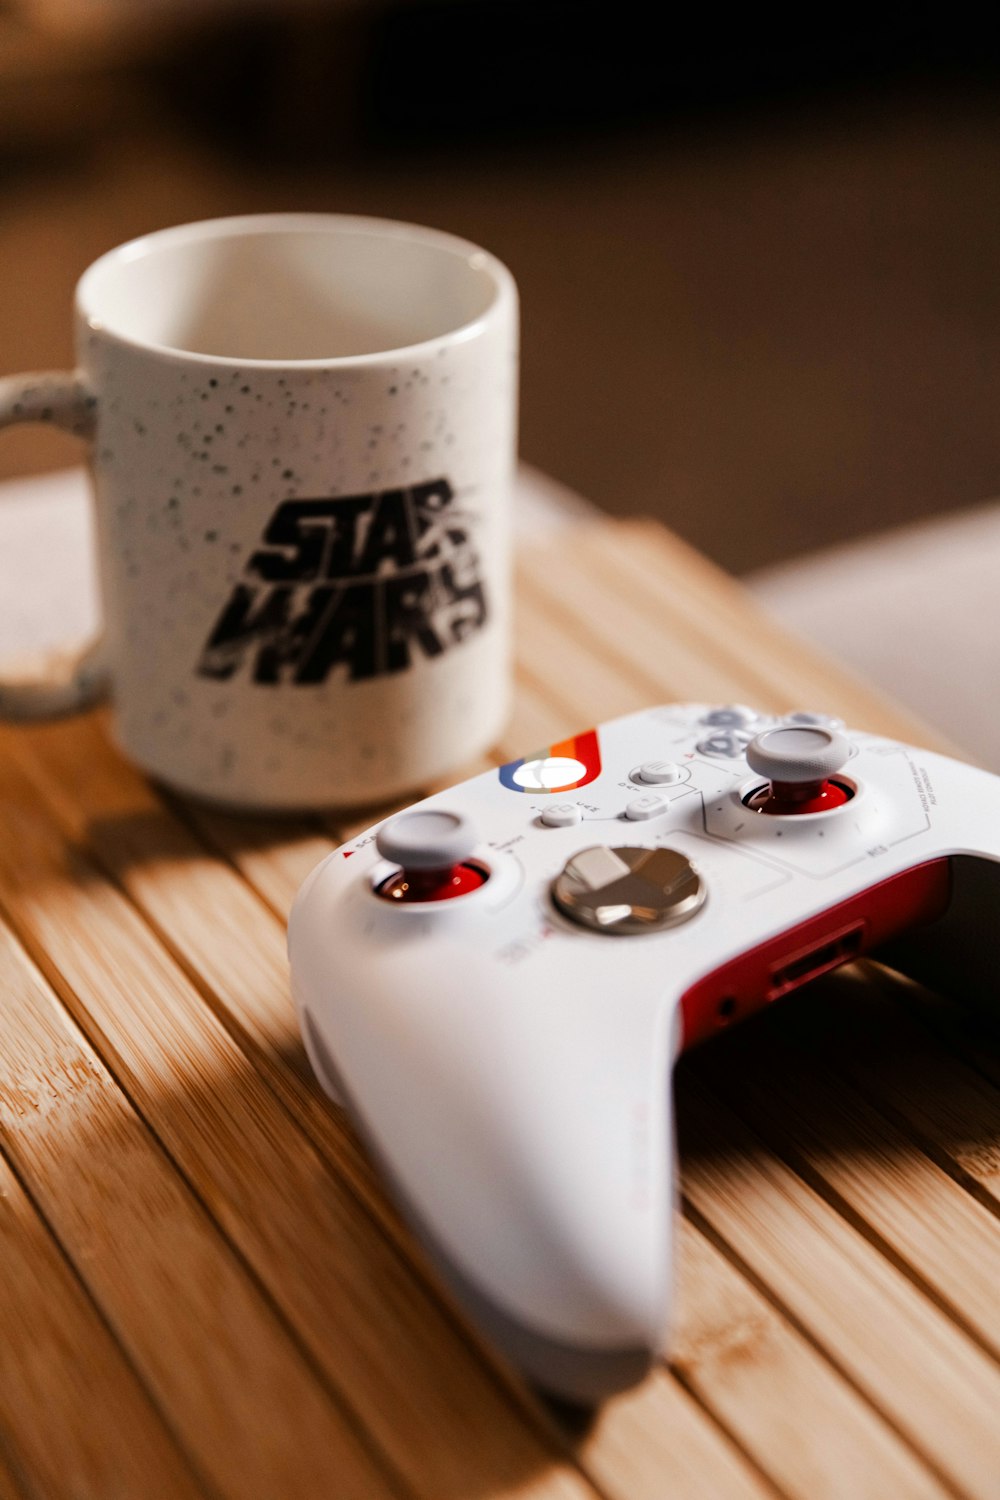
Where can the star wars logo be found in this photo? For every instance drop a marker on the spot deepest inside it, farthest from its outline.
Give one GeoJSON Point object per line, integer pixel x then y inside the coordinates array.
{"type": "Point", "coordinates": [363, 582]}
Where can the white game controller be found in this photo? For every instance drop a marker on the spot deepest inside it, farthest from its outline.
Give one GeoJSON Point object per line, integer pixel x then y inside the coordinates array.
{"type": "Point", "coordinates": [497, 982]}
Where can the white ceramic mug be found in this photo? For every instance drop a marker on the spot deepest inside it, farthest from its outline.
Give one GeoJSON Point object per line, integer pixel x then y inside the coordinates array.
{"type": "Point", "coordinates": [302, 438]}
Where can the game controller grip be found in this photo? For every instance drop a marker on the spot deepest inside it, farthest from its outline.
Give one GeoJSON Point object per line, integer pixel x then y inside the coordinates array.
{"type": "Point", "coordinates": [565, 1258]}
{"type": "Point", "coordinates": [528, 1138]}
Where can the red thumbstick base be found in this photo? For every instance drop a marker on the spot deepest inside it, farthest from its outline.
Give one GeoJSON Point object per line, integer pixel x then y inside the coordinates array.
{"type": "Point", "coordinates": [418, 886]}
{"type": "Point", "coordinates": [787, 798]}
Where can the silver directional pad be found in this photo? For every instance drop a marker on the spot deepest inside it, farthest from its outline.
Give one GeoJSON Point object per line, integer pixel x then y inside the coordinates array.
{"type": "Point", "coordinates": [627, 890]}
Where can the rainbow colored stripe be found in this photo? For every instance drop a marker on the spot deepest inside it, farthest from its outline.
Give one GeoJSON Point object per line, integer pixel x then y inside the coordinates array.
{"type": "Point", "coordinates": [582, 748]}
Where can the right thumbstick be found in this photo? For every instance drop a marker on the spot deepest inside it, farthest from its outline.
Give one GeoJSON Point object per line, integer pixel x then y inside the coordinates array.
{"type": "Point", "coordinates": [800, 762]}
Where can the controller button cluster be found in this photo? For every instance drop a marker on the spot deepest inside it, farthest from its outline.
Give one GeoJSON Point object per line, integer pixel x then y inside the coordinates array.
{"type": "Point", "coordinates": [730, 716]}
{"type": "Point", "coordinates": [724, 744]}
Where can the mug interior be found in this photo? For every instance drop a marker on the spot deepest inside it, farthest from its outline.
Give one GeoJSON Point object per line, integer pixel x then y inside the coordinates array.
{"type": "Point", "coordinates": [286, 289]}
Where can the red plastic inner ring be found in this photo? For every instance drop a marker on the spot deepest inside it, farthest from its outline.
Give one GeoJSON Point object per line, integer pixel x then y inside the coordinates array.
{"type": "Point", "coordinates": [416, 886]}
{"type": "Point", "coordinates": [787, 798]}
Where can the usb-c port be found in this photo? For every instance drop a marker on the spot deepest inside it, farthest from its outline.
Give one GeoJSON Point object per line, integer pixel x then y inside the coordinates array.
{"type": "Point", "coordinates": [808, 964]}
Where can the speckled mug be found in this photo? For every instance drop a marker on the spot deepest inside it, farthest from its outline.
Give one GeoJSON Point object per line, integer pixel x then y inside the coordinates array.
{"type": "Point", "coordinates": [302, 440]}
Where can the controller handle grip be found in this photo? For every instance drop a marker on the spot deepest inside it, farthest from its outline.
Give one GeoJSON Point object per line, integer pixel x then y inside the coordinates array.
{"type": "Point", "coordinates": [530, 1146]}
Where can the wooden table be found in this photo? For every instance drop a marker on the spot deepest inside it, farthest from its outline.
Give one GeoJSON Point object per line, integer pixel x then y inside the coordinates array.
{"type": "Point", "coordinates": [204, 1291]}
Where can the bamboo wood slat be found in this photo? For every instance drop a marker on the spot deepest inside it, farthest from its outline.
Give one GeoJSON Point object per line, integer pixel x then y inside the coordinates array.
{"type": "Point", "coordinates": [204, 1291]}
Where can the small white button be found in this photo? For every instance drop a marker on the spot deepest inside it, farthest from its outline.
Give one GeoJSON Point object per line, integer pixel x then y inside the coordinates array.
{"type": "Point", "coordinates": [727, 744]}
{"type": "Point", "coordinates": [661, 772]}
{"type": "Point", "coordinates": [819, 721]}
{"type": "Point", "coordinates": [731, 716]}
{"type": "Point", "coordinates": [650, 806]}
{"type": "Point", "coordinates": [562, 815]}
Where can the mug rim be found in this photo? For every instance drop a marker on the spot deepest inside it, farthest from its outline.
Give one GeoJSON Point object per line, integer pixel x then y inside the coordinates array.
{"type": "Point", "coordinates": [504, 286]}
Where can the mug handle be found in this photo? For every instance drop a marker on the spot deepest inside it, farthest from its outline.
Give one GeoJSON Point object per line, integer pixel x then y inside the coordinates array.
{"type": "Point", "coordinates": [61, 682]}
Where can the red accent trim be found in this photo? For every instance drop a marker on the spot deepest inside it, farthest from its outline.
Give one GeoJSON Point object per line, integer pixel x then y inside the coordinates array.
{"type": "Point", "coordinates": [785, 799]}
{"type": "Point", "coordinates": [567, 748]}
{"type": "Point", "coordinates": [433, 885]}
{"type": "Point", "coordinates": [586, 749]}
{"type": "Point", "coordinates": [823, 942]}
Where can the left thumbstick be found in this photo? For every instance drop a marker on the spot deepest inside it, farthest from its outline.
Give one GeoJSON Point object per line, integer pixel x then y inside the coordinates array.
{"type": "Point", "coordinates": [428, 840]}
{"type": "Point", "coordinates": [432, 849]}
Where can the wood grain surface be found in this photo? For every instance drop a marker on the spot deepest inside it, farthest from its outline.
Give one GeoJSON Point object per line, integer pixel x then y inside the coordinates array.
{"type": "Point", "coordinates": [204, 1291]}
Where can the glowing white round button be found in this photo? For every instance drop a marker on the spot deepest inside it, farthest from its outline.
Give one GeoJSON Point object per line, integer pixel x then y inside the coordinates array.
{"type": "Point", "coordinates": [548, 774]}
{"type": "Point", "coordinates": [562, 815]}
{"type": "Point", "coordinates": [661, 772]}
{"type": "Point", "coordinates": [650, 806]}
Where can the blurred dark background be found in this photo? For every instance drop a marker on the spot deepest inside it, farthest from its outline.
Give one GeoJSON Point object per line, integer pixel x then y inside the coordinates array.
{"type": "Point", "coordinates": [757, 255]}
